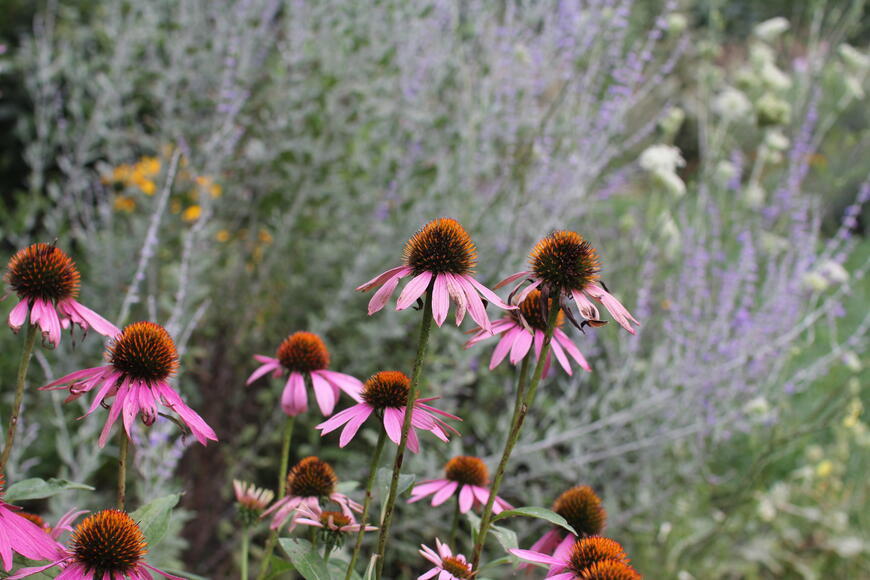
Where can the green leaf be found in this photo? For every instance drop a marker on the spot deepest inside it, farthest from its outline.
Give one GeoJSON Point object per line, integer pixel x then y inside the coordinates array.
{"type": "Point", "coordinates": [474, 524]}
{"type": "Point", "coordinates": [370, 570]}
{"type": "Point", "coordinates": [279, 567]}
{"type": "Point", "coordinates": [539, 513]}
{"type": "Point", "coordinates": [346, 486]}
{"type": "Point", "coordinates": [35, 488]}
{"type": "Point", "coordinates": [505, 536]}
{"type": "Point", "coordinates": [338, 568]}
{"type": "Point", "coordinates": [183, 574]}
{"type": "Point", "coordinates": [153, 517]}
{"type": "Point", "coordinates": [307, 562]}
{"type": "Point", "coordinates": [384, 477]}
{"type": "Point", "coordinates": [503, 561]}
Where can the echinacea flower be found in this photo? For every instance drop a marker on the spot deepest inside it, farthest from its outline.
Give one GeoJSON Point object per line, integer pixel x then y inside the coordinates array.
{"type": "Point", "coordinates": [447, 566]}
{"type": "Point", "coordinates": [251, 500]}
{"type": "Point", "coordinates": [468, 476]}
{"type": "Point", "coordinates": [301, 354]}
{"type": "Point", "coordinates": [47, 283]}
{"type": "Point", "coordinates": [565, 266]}
{"type": "Point", "coordinates": [386, 395]}
{"type": "Point", "coordinates": [308, 482]}
{"type": "Point", "coordinates": [522, 328]}
{"type": "Point", "coordinates": [440, 256]}
{"type": "Point", "coordinates": [141, 360]}
{"type": "Point", "coordinates": [593, 558]}
{"type": "Point", "coordinates": [330, 520]}
{"type": "Point", "coordinates": [107, 544]}
{"type": "Point", "coordinates": [22, 536]}
{"type": "Point", "coordinates": [63, 524]}
{"type": "Point", "coordinates": [581, 508]}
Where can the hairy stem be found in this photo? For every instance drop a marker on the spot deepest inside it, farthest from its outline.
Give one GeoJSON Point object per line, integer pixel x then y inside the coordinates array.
{"type": "Point", "coordinates": [123, 446]}
{"type": "Point", "coordinates": [373, 468]}
{"type": "Point", "coordinates": [413, 393]}
{"type": "Point", "coordinates": [519, 417]}
{"type": "Point", "coordinates": [246, 539]}
{"type": "Point", "coordinates": [29, 341]}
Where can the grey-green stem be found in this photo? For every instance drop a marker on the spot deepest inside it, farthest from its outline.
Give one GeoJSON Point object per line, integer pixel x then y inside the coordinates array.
{"type": "Point", "coordinates": [282, 490]}
{"type": "Point", "coordinates": [373, 468]}
{"type": "Point", "coordinates": [26, 353]}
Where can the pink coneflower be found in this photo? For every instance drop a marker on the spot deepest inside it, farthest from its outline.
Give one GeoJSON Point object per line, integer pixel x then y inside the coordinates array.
{"type": "Point", "coordinates": [304, 353]}
{"type": "Point", "coordinates": [565, 266]}
{"type": "Point", "coordinates": [141, 360]}
{"type": "Point", "coordinates": [593, 558]}
{"type": "Point", "coordinates": [47, 283]}
{"type": "Point", "coordinates": [330, 521]}
{"type": "Point", "coordinates": [522, 328]}
{"type": "Point", "coordinates": [308, 482]}
{"type": "Point", "coordinates": [107, 544]}
{"type": "Point", "coordinates": [440, 255]}
{"type": "Point", "coordinates": [581, 508]}
{"type": "Point", "coordinates": [467, 475]}
{"type": "Point", "coordinates": [21, 535]}
{"type": "Point", "coordinates": [251, 500]}
{"type": "Point", "coordinates": [63, 524]}
{"type": "Point", "coordinates": [386, 394]}
{"type": "Point", "coordinates": [447, 566]}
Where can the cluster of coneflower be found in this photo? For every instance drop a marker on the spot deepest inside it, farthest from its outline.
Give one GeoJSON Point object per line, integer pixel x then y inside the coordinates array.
{"type": "Point", "coordinates": [561, 285]}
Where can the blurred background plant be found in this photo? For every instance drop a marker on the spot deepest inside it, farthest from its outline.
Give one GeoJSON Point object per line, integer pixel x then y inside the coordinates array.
{"type": "Point", "coordinates": [234, 169]}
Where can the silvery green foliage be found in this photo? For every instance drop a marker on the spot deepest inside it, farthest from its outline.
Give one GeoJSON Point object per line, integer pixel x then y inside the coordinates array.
{"type": "Point", "coordinates": [339, 128]}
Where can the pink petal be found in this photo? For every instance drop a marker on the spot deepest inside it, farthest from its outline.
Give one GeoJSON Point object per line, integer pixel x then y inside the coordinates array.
{"type": "Point", "coordinates": [382, 296]}
{"type": "Point", "coordinates": [430, 574]}
{"type": "Point", "coordinates": [560, 356]}
{"type": "Point", "coordinates": [444, 493]}
{"type": "Point", "coordinates": [170, 576]}
{"type": "Point", "coordinates": [349, 432]}
{"type": "Point", "coordinates": [526, 291]}
{"type": "Point", "coordinates": [337, 420]}
{"type": "Point", "coordinates": [457, 295]}
{"type": "Point", "coordinates": [131, 406]}
{"type": "Point", "coordinates": [504, 347]}
{"type": "Point", "coordinates": [423, 489]}
{"type": "Point", "coordinates": [117, 405]}
{"type": "Point", "coordinates": [571, 349]}
{"type": "Point", "coordinates": [350, 385]}
{"type": "Point", "coordinates": [294, 399]}
{"type": "Point", "coordinates": [521, 346]}
{"type": "Point", "coordinates": [266, 359]}
{"type": "Point", "coordinates": [324, 394]}
{"type": "Point", "coordinates": [191, 418]}
{"type": "Point", "coordinates": [413, 290]}
{"type": "Point", "coordinates": [413, 442]}
{"type": "Point", "coordinates": [475, 304]}
{"type": "Point", "coordinates": [92, 319]}
{"type": "Point", "coordinates": [75, 376]}
{"type": "Point", "coordinates": [383, 277]}
{"type": "Point", "coordinates": [548, 542]}
{"type": "Point", "coordinates": [17, 316]}
{"type": "Point", "coordinates": [619, 312]}
{"type": "Point", "coordinates": [513, 277]}
{"type": "Point", "coordinates": [466, 498]}
{"type": "Point", "coordinates": [109, 383]}
{"type": "Point", "coordinates": [440, 299]}
{"type": "Point", "coordinates": [264, 369]}
{"type": "Point", "coordinates": [587, 309]}
{"type": "Point", "coordinates": [535, 557]}
{"type": "Point", "coordinates": [393, 424]}
{"type": "Point", "coordinates": [563, 550]}
{"type": "Point", "coordinates": [489, 294]}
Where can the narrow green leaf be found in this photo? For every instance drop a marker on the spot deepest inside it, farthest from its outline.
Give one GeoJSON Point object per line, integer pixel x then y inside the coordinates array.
{"type": "Point", "coordinates": [153, 517]}
{"type": "Point", "coordinates": [35, 488]}
{"type": "Point", "coordinates": [370, 571]}
{"type": "Point", "coordinates": [536, 512]}
{"type": "Point", "coordinates": [306, 560]}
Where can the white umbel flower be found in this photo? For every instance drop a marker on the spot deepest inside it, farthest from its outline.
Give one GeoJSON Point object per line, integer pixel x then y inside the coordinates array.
{"type": "Point", "coordinates": [771, 29]}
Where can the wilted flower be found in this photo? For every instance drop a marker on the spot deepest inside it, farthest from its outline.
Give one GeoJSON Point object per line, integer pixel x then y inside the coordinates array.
{"type": "Point", "coordinates": [593, 558]}
{"type": "Point", "coordinates": [47, 283]}
{"type": "Point", "coordinates": [301, 354]}
{"type": "Point", "coordinates": [463, 474]}
{"type": "Point", "coordinates": [386, 395]}
{"type": "Point", "coordinates": [566, 266]}
{"type": "Point", "coordinates": [107, 544]}
{"type": "Point", "coordinates": [522, 328]}
{"type": "Point", "coordinates": [441, 256]}
{"type": "Point", "coordinates": [330, 521]}
{"type": "Point", "coordinates": [251, 500]}
{"type": "Point", "coordinates": [22, 536]}
{"type": "Point", "coordinates": [141, 360]}
{"type": "Point", "coordinates": [308, 482]}
{"type": "Point", "coordinates": [447, 566]}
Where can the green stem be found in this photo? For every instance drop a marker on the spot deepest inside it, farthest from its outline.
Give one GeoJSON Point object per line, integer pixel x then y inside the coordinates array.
{"type": "Point", "coordinates": [373, 468]}
{"type": "Point", "coordinates": [282, 491]}
{"type": "Point", "coordinates": [513, 436]}
{"type": "Point", "coordinates": [29, 341]}
{"type": "Point", "coordinates": [246, 540]}
{"type": "Point", "coordinates": [413, 393]}
{"type": "Point", "coordinates": [454, 527]}
{"type": "Point", "coordinates": [123, 445]}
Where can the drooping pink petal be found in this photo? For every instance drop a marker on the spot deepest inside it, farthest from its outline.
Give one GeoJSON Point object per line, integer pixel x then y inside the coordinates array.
{"type": "Point", "coordinates": [504, 346]}
{"type": "Point", "coordinates": [336, 420]}
{"type": "Point", "coordinates": [425, 488]}
{"type": "Point", "coordinates": [413, 290]}
{"type": "Point", "coordinates": [548, 543]}
{"type": "Point", "coordinates": [131, 406]}
{"type": "Point", "coordinates": [64, 524]}
{"type": "Point", "coordinates": [475, 304]}
{"type": "Point", "coordinates": [430, 554]}
{"type": "Point", "coordinates": [560, 356]}
{"type": "Point", "coordinates": [489, 294]}
{"type": "Point", "coordinates": [262, 370]}
{"type": "Point", "coordinates": [109, 383]}
{"type": "Point", "coordinates": [430, 574]}
{"type": "Point", "coordinates": [393, 424]}
{"type": "Point", "coordinates": [535, 557]}
{"type": "Point", "coordinates": [420, 404]}
{"type": "Point", "coordinates": [383, 277]}
{"type": "Point", "coordinates": [382, 296]}
{"type": "Point", "coordinates": [522, 344]}
{"type": "Point", "coordinates": [457, 295]}
{"type": "Point", "coordinates": [324, 394]}
{"type": "Point", "coordinates": [18, 315]}
{"type": "Point", "coordinates": [619, 312]}
{"type": "Point", "coordinates": [350, 385]}
{"type": "Point", "coordinates": [294, 399]}
{"type": "Point", "coordinates": [363, 412]}
{"type": "Point", "coordinates": [444, 493]}
{"type": "Point", "coordinates": [30, 571]}
{"type": "Point", "coordinates": [114, 412]}
{"type": "Point", "coordinates": [587, 309]}
{"type": "Point", "coordinates": [440, 299]}
{"type": "Point", "coordinates": [91, 318]}
{"type": "Point", "coordinates": [466, 498]}
{"type": "Point", "coordinates": [200, 429]}
{"type": "Point", "coordinates": [513, 277]}
{"type": "Point", "coordinates": [563, 551]}
{"type": "Point", "coordinates": [161, 572]}
{"type": "Point", "coordinates": [571, 349]}
{"type": "Point", "coordinates": [266, 359]}
{"type": "Point", "coordinates": [75, 377]}
{"type": "Point", "coordinates": [413, 441]}
{"type": "Point", "coordinates": [526, 291]}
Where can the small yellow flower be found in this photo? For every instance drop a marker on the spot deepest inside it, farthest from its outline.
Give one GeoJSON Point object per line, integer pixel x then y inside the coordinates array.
{"type": "Point", "coordinates": [149, 166]}
{"type": "Point", "coordinates": [202, 181]}
{"type": "Point", "coordinates": [222, 236]}
{"type": "Point", "coordinates": [125, 204]}
{"type": "Point", "coordinates": [215, 190]}
{"type": "Point", "coordinates": [192, 213]}
{"type": "Point", "coordinates": [147, 186]}
{"type": "Point", "coordinates": [825, 468]}
{"type": "Point", "coordinates": [265, 237]}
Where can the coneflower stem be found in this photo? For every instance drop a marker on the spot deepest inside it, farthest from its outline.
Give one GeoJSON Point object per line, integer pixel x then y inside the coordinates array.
{"type": "Point", "coordinates": [413, 393]}
{"type": "Point", "coordinates": [522, 408]}
{"type": "Point", "coordinates": [246, 540]}
{"type": "Point", "coordinates": [367, 502]}
{"type": "Point", "coordinates": [454, 527]}
{"type": "Point", "coordinates": [282, 491]}
{"type": "Point", "coordinates": [29, 341]}
{"type": "Point", "coordinates": [123, 444]}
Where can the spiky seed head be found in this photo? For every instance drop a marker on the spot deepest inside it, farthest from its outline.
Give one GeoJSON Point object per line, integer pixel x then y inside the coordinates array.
{"type": "Point", "coordinates": [565, 261]}
{"type": "Point", "coordinates": [311, 477]}
{"type": "Point", "coordinates": [581, 507]}
{"type": "Point", "coordinates": [467, 470]}
{"type": "Point", "coordinates": [109, 544]}
{"type": "Point", "coordinates": [303, 352]}
{"type": "Point", "coordinates": [42, 271]}
{"type": "Point", "coordinates": [609, 570]}
{"type": "Point", "coordinates": [456, 567]}
{"type": "Point", "coordinates": [387, 389]}
{"type": "Point", "coordinates": [587, 551]}
{"type": "Point", "coordinates": [144, 351]}
{"type": "Point", "coordinates": [338, 519]}
{"type": "Point", "coordinates": [441, 246]}
{"type": "Point", "coordinates": [530, 310]}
